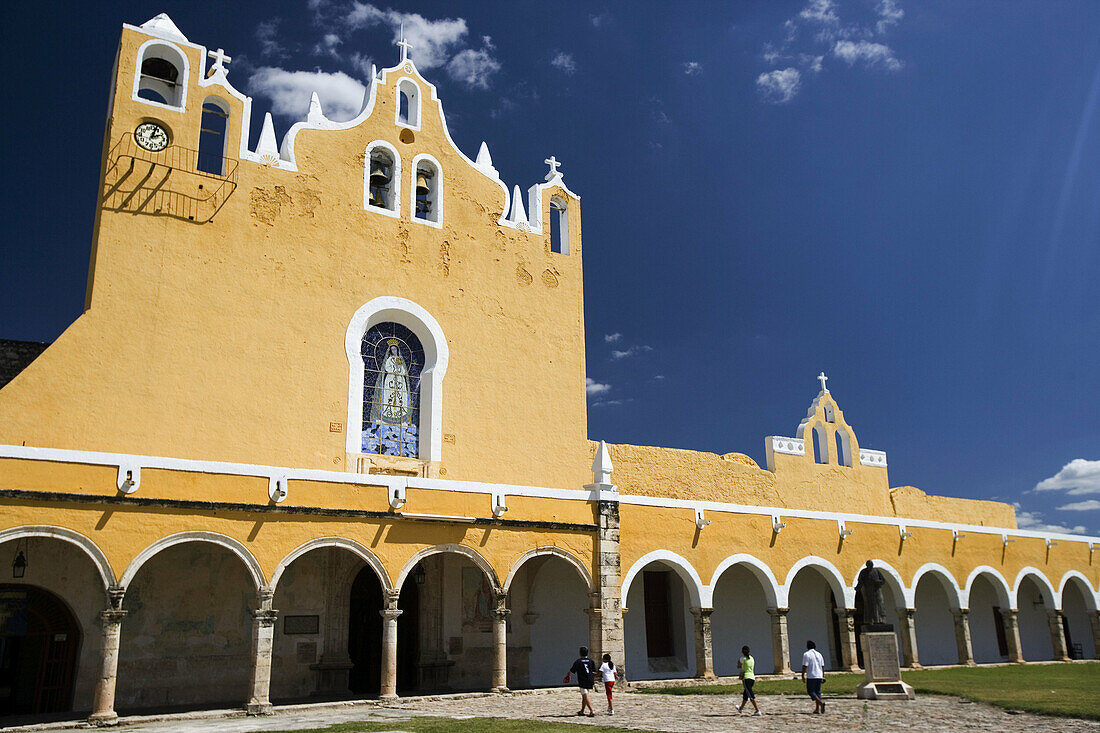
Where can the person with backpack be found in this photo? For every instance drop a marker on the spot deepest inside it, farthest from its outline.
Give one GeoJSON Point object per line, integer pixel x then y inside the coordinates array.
{"type": "Point", "coordinates": [585, 670]}
{"type": "Point", "coordinates": [607, 669]}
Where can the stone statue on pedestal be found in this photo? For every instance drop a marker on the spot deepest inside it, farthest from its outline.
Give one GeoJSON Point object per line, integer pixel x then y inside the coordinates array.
{"type": "Point", "coordinates": [869, 586]}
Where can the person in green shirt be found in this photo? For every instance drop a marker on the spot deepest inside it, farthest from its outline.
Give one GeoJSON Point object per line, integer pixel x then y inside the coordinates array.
{"type": "Point", "coordinates": [747, 665]}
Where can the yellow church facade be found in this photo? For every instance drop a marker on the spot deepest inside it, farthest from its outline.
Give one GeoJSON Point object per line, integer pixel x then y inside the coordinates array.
{"type": "Point", "coordinates": [321, 432]}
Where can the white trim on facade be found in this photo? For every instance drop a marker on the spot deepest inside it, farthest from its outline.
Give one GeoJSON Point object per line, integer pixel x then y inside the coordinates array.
{"type": "Point", "coordinates": [675, 562]}
{"type": "Point", "coordinates": [1000, 586]}
{"type": "Point", "coordinates": [754, 565]}
{"type": "Point", "coordinates": [955, 595]}
{"type": "Point", "coordinates": [249, 560]}
{"type": "Point", "coordinates": [1051, 598]}
{"type": "Point", "coordinates": [579, 566]}
{"type": "Point", "coordinates": [828, 571]}
{"type": "Point", "coordinates": [436, 197]}
{"type": "Point", "coordinates": [184, 75]}
{"type": "Point", "coordinates": [395, 180]}
{"type": "Point", "coordinates": [436, 355]}
{"type": "Point", "coordinates": [90, 548]}
{"type": "Point", "coordinates": [1092, 598]}
{"type": "Point", "coordinates": [467, 552]}
{"type": "Point", "coordinates": [339, 542]}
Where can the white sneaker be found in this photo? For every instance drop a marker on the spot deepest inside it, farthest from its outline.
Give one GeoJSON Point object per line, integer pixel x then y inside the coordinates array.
{"type": "Point", "coordinates": [756, 714]}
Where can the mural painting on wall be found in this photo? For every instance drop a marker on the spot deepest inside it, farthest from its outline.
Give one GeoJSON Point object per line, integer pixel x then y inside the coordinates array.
{"type": "Point", "coordinates": [477, 601]}
{"type": "Point", "coordinates": [392, 361]}
{"type": "Point", "coordinates": [13, 613]}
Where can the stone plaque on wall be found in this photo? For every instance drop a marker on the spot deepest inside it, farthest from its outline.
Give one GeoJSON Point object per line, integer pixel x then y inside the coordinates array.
{"type": "Point", "coordinates": [301, 624]}
{"type": "Point", "coordinates": [880, 663]}
{"type": "Point", "coordinates": [306, 651]}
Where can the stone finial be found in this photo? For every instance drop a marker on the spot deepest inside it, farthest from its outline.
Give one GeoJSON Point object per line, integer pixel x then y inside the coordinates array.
{"type": "Point", "coordinates": [601, 465]}
{"type": "Point", "coordinates": [518, 214]}
{"type": "Point", "coordinates": [485, 161]}
{"type": "Point", "coordinates": [268, 148]}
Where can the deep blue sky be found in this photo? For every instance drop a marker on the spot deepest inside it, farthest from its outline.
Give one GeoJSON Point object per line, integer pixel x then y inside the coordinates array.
{"type": "Point", "coordinates": [918, 215]}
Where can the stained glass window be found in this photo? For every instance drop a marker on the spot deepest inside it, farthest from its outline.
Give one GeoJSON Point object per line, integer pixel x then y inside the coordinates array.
{"type": "Point", "coordinates": [392, 361]}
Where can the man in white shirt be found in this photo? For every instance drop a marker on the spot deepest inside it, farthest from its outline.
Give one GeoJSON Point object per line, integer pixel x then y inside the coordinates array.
{"type": "Point", "coordinates": [813, 673]}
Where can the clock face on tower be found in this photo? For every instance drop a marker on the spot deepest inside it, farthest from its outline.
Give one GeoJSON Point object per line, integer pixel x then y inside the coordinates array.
{"type": "Point", "coordinates": [151, 136]}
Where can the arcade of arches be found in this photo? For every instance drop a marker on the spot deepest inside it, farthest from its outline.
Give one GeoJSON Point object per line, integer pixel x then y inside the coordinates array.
{"type": "Point", "coordinates": [190, 629]}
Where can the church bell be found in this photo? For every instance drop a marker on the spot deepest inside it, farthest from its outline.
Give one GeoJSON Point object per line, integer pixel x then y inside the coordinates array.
{"type": "Point", "coordinates": [379, 176]}
{"type": "Point", "coordinates": [422, 187]}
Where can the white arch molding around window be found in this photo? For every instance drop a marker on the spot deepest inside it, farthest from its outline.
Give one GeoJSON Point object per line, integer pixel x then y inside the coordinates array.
{"type": "Point", "coordinates": [559, 225]}
{"type": "Point", "coordinates": [160, 75]}
{"type": "Point", "coordinates": [382, 179]}
{"type": "Point", "coordinates": [392, 309]}
{"type": "Point", "coordinates": [820, 444]}
{"type": "Point", "coordinates": [843, 447]}
{"type": "Point", "coordinates": [426, 193]}
{"type": "Point", "coordinates": [408, 104]}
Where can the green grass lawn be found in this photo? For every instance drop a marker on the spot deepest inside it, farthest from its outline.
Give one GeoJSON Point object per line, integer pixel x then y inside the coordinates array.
{"type": "Point", "coordinates": [450, 725]}
{"type": "Point", "coordinates": [1051, 689]}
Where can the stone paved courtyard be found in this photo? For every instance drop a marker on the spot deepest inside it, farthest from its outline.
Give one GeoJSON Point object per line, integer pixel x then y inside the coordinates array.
{"type": "Point", "coordinates": [634, 711]}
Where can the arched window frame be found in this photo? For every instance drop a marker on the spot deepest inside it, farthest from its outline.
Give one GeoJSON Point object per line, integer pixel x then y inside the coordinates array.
{"type": "Point", "coordinates": [395, 179]}
{"type": "Point", "coordinates": [223, 105]}
{"type": "Point", "coordinates": [559, 208]}
{"type": "Point", "coordinates": [436, 356]}
{"type": "Point", "coordinates": [411, 89]}
{"type": "Point", "coordinates": [436, 196]}
{"type": "Point", "coordinates": [173, 54]}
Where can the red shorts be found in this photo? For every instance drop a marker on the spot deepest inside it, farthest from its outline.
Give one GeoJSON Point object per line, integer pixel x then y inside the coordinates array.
{"type": "Point", "coordinates": [607, 688]}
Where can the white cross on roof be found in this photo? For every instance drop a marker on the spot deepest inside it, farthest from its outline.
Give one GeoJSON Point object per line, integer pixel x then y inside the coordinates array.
{"type": "Point", "coordinates": [404, 45]}
{"type": "Point", "coordinates": [554, 165]}
{"type": "Point", "coordinates": [822, 378]}
{"type": "Point", "coordinates": [220, 60]}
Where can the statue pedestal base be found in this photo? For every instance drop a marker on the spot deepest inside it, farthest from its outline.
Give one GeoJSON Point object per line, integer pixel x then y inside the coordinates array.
{"type": "Point", "coordinates": [880, 660]}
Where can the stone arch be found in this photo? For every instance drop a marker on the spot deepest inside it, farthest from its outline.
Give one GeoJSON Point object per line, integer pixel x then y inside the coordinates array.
{"type": "Point", "coordinates": [90, 548]}
{"type": "Point", "coordinates": [351, 546]}
{"type": "Point", "coordinates": [235, 547]}
{"type": "Point", "coordinates": [893, 580]}
{"type": "Point", "coordinates": [1000, 585]}
{"type": "Point", "coordinates": [757, 567]}
{"type": "Point", "coordinates": [828, 571]}
{"type": "Point", "coordinates": [1086, 589]}
{"type": "Point", "coordinates": [436, 355]}
{"type": "Point", "coordinates": [1051, 597]}
{"type": "Point", "coordinates": [675, 562]}
{"type": "Point", "coordinates": [586, 577]}
{"type": "Point", "coordinates": [467, 552]}
{"type": "Point", "coordinates": [955, 596]}
{"type": "Point", "coordinates": [171, 53]}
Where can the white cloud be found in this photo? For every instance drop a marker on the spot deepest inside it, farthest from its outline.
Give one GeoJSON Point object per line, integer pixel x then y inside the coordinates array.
{"type": "Point", "coordinates": [820, 12]}
{"type": "Point", "coordinates": [432, 41]}
{"type": "Point", "coordinates": [564, 62]}
{"type": "Point", "coordinates": [266, 34]}
{"type": "Point", "coordinates": [889, 13]}
{"type": "Point", "coordinates": [599, 21]}
{"type": "Point", "coordinates": [328, 46]}
{"type": "Point", "coordinates": [1089, 505]}
{"type": "Point", "coordinates": [632, 351]}
{"type": "Point", "coordinates": [609, 403]}
{"type": "Point", "coordinates": [1078, 477]}
{"type": "Point", "coordinates": [592, 387]}
{"type": "Point", "coordinates": [612, 338]}
{"type": "Point", "coordinates": [362, 63]}
{"type": "Point", "coordinates": [474, 68]}
{"type": "Point", "coordinates": [812, 63]}
{"type": "Point", "coordinates": [872, 54]}
{"type": "Point", "coordinates": [779, 85]}
{"type": "Point", "coordinates": [692, 68]}
{"type": "Point", "coordinates": [1034, 521]}
{"type": "Point", "coordinates": [290, 91]}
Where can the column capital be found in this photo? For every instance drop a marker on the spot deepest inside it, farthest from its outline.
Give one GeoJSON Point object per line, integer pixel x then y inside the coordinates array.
{"type": "Point", "coordinates": [500, 614]}
{"type": "Point", "coordinates": [115, 594]}
{"type": "Point", "coordinates": [112, 616]}
{"type": "Point", "coordinates": [701, 612]}
{"type": "Point", "coordinates": [960, 613]}
{"type": "Point", "coordinates": [906, 613]}
{"type": "Point", "coordinates": [390, 614]}
{"type": "Point", "coordinates": [391, 597]}
{"type": "Point", "coordinates": [265, 617]}
{"type": "Point", "coordinates": [1054, 613]}
{"type": "Point", "coordinates": [778, 612]}
{"type": "Point", "coordinates": [264, 597]}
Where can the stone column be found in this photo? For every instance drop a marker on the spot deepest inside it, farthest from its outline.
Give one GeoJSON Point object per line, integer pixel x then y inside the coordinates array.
{"type": "Point", "coordinates": [595, 626]}
{"type": "Point", "coordinates": [908, 628]}
{"type": "Point", "coordinates": [704, 647]}
{"type": "Point", "coordinates": [263, 633]}
{"type": "Point", "coordinates": [609, 582]}
{"type": "Point", "coordinates": [103, 706]}
{"type": "Point", "coordinates": [849, 658]}
{"type": "Point", "coordinates": [1094, 621]}
{"type": "Point", "coordinates": [962, 636]}
{"type": "Point", "coordinates": [1012, 636]}
{"type": "Point", "coordinates": [500, 643]}
{"type": "Point", "coordinates": [781, 649]}
{"type": "Point", "coordinates": [1058, 635]}
{"type": "Point", "coordinates": [389, 614]}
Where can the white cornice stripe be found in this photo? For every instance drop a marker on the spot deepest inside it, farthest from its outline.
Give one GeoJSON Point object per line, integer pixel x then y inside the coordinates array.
{"type": "Point", "coordinates": [62, 455]}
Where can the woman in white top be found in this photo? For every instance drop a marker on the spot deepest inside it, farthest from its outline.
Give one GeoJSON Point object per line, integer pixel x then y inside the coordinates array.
{"type": "Point", "coordinates": [607, 669]}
